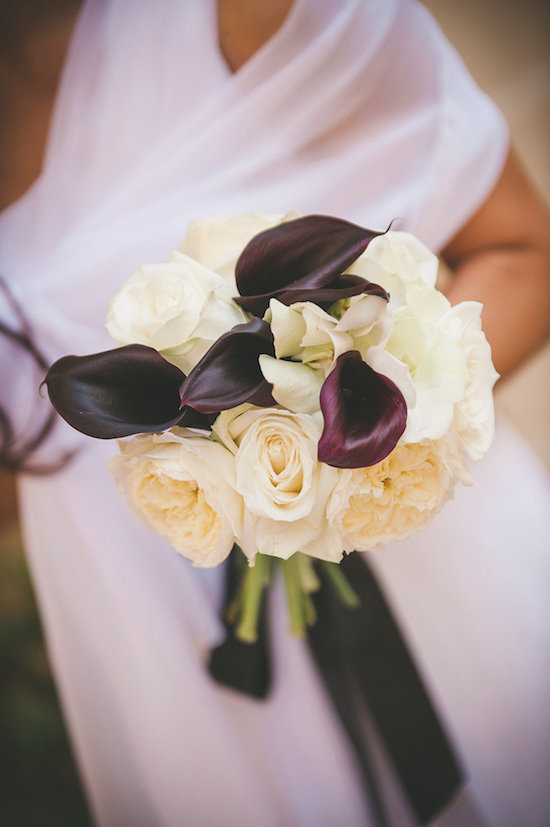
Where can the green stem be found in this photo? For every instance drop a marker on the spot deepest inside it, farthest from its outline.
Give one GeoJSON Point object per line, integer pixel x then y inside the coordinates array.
{"type": "Point", "coordinates": [294, 593]}
{"type": "Point", "coordinates": [256, 578]}
{"type": "Point", "coordinates": [342, 584]}
{"type": "Point", "coordinates": [310, 614]}
{"type": "Point", "coordinates": [308, 577]}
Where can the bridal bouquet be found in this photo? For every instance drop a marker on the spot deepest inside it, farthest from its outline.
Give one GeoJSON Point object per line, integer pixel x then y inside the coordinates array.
{"type": "Point", "coordinates": [295, 388]}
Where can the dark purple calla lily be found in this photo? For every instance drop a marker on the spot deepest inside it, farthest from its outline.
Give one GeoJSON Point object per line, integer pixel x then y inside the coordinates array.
{"type": "Point", "coordinates": [343, 287]}
{"type": "Point", "coordinates": [364, 414]}
{"type": "Point", "coordinates": [116, 393]}
{"type": "Point", "coordinates": [229, 373]}
{"type": "Point", "coordinates": [300, 258]}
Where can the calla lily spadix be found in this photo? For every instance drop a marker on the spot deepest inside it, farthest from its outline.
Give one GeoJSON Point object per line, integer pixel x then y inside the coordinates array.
{"type": "Point", "coordinates": [119, 392]}
{"type": "Point", "coordinates": [302, 260]}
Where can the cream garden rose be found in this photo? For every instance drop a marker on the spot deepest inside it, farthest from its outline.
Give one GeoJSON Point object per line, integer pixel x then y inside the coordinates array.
{"type": "Point", "coordinates": [183, 486]}
{"type": "Point", "coordinates": [397, 497]}
{"type": "Point", "coordinates": [179, 308]}
{"type": "Point", "coordinates": [285, 488]}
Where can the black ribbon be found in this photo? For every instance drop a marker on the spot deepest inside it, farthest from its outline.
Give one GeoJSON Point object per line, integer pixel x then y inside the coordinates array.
{"type": "Point", "coordinates": [363, 659]}
{"type": "Point", "coordinates": [242, 666]}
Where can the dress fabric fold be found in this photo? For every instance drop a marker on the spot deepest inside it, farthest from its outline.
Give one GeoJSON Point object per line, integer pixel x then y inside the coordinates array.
{"type": "Point", "coordinates": [355, 109]}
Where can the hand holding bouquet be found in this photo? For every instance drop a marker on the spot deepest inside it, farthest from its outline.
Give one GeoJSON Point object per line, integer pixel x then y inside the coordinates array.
{"type": "Point", "coordinates": [295, 386]}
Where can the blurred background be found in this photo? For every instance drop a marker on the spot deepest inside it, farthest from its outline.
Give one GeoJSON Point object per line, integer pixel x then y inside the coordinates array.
{"type": "Point", "coordinates": [505, 45]}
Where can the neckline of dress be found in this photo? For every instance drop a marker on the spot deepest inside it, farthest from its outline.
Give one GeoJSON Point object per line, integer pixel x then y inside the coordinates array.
{"type": "Point", "coordinates": [271, 43]}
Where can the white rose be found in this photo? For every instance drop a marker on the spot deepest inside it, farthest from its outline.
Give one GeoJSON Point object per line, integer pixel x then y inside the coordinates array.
{"type": "Point", "coordinates": [430, 344]}
{"type": "Point", "coordinates": [450, 365]}
{"type": "Point", "coordinates": [295, 386]}
{"type": "Point", "coordinates": [396, 261]}
{"type": "Point", "coordinates": [307, 333]}
{"type": "Point", "coordinates": [437, 366]}
{"type": "Point", "coordinates": [283, 484]}
{"type": "Point", "coordinates": [313, 340]}
{"type": "Point", "coordinates": [183, 486]}
{"type": "Point", "coordinates": [179, 308]}
{"type": "Point", "coordinates": [397, 497]}
{"type": "Point", "coordinates": [217, 241]}
{"type": "Point", "coordinates": [474, 414]}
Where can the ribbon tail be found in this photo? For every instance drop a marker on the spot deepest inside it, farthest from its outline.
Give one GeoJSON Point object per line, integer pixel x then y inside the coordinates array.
{"type": "Point", "coordinates": [362, 648]}
{"type": "Point", "coordinates": [245, 667]}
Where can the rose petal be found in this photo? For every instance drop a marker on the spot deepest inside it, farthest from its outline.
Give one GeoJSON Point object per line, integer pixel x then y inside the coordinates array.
{"type": "Point", "coordinates": [392, 368]}
{"type": "Point", "coordinates": [364, 413]}
{"type": "Point", "coordinates": [119, 392]}
{"type": "Point", "coordinates": [295, 386]}
{"type": "Point", "coordinates": [287, 327]}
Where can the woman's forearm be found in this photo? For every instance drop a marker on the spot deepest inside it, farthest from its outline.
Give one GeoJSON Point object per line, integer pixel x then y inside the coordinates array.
{"type": "Point", "coordinates": [502, 259]}
{"type": "Point", "coordinates": [514, 286]}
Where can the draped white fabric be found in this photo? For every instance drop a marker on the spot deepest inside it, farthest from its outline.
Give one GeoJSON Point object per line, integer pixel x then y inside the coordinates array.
{"type": "Point", "coordinates": [356, 108]}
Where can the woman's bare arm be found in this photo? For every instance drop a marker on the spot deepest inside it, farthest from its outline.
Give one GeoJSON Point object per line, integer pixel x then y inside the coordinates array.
{"type": "Point", "coordinates": [502, 259]}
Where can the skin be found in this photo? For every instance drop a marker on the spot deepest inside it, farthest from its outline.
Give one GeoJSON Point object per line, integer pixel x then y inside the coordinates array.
{"type": "Point", "coordinates": [245, 25]}
{"type": "Point", "coordinates": [501, 257]}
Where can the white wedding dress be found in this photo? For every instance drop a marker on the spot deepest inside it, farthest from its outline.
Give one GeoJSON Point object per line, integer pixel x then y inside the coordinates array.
{"type": "Point", "coordinates": [355, 108]}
